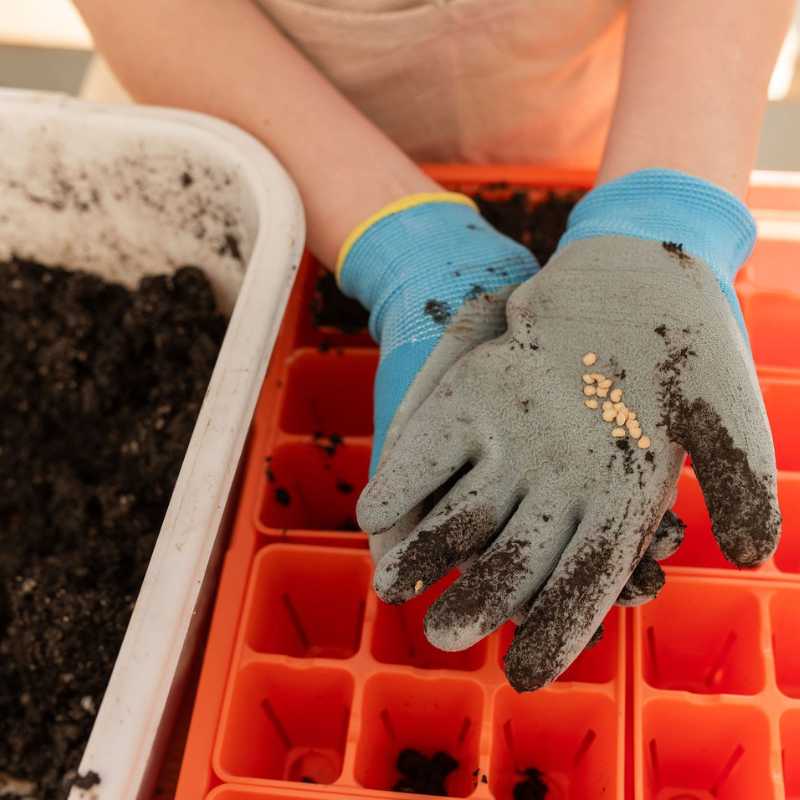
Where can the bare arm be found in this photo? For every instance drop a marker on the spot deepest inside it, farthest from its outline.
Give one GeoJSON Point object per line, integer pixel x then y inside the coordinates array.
{"type": "Point", "coordinates": [694, 87]}
{"type": "Point", "coordinates": [227, 59]}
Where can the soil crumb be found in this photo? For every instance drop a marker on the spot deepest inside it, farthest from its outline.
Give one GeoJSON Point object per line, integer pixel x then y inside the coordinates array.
{"type": "Point", "coordinates": [100, 387]}
{"type": "Point", "coordinates": [423, 775]}
{"type": "Point", "coordinates": [532, 787]}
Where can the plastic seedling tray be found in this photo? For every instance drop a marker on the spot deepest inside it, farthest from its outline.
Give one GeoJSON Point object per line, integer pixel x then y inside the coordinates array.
{"type": "Point", "coordinates": [307, 676]}
{"type": "Point", "coordinates": [105, 189]}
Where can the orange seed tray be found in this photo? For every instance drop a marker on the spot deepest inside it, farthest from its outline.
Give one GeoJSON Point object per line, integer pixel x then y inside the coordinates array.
{"type": "Point", "coordinates": [308, 677]}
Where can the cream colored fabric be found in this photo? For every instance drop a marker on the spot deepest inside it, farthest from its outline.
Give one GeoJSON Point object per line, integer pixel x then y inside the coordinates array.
{"type": "Point", "coordinates": [471, 80]}
{"type": "Point", "coordinates": [514, 81]}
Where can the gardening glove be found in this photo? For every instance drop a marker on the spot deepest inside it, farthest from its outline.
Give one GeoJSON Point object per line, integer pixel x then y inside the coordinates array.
{"type": "Point", "coordinates": [448, 276]}
{"type": "Point", "coordinates": [557, 496]}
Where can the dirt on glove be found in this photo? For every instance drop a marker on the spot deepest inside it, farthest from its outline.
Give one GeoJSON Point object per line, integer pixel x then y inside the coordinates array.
{"type": "Point", "coordinates": [100, 387]}
{"type": "Point", "coordinates": [530, 220]}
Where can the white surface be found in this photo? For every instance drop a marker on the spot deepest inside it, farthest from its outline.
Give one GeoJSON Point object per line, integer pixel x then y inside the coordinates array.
{"type": "Point", "coordinates": [42, 23]}
{"type": "Point", "coordinates": [102, 188]}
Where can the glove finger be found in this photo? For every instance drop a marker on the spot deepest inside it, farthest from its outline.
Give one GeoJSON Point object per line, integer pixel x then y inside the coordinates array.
{"type": "Point", "coordinates": [644, 584]}
{"type": "Point", "coordinates": [479, 320]}
{"type": "Point", "coordinates": [461, 523]}
{"type": "Point", "coordinates": [505, 577]}
{"type": "Point", "coordinates": [586, 582]}
{"type": "Point", "coordinates": [668, 537]}
{"type": "Point", "coordinates": [430, 452]}
{"type": "Point", "coordinates": [735, 466]}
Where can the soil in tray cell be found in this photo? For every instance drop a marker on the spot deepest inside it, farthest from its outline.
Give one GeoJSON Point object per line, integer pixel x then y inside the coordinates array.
{"type": "Point", "coordinates": [99, 390]}
{"type": "Point", "coordinates": [420, 733]}
{"type": "Point", "coordinates": [561, 743]}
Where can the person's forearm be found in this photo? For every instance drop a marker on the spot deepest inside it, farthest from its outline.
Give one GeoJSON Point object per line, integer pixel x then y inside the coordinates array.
{"type": "Point", "coordinates": [227, 59]}
{"type": "Point", "coordinates": [694, 87]}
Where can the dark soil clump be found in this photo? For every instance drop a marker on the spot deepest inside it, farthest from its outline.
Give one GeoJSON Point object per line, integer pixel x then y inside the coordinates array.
{"type": "Point", "coordinates": [537, 224]}
{"type": "Point", "coordinates": [423, 775]}
{"type": "Point", "coordinates": [332, 309]}
{"type": "Point", "coordinates": [534, 222]}
{"type": "Point", "coordinates": [532, 788]}
{"type": "Point", "coordinates": [100, 387]}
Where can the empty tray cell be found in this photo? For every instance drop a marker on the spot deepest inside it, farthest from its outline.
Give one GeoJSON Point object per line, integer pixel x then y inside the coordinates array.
{"type": "Point", "coordinates": [790, 752]}
{"type": "Point", "coordinates": [399, 637]}
{"type": "Point", "coordinates": [596, 664]}
{"type": "Point", "coordinates": [307, 602]}
{"type": "Point", "coordinates": [569, 739]}
{"type": "Point", "coordinates": [703, 638]}
{"type": "Point", "coordinates": [773, 265]}
{"type": "Point", "coordinates": [773, 321]}
{"type": "Point", "coordinates": [314, 486]}
{"type": "Point", "coordinates": [705, 752]}
{"type": "Point", "coordinates": [330, 393]}
{"type": "Point", "coordinates": [429, 716]}
{"type": "Point", "coordinates": [699, 548]}
{"type": "Point", "coordinates": [780, 397]}
{"type": "Point", "coordinates": [787, 557]}
{"type": "Point", "coordinates": [286, 724]}
{"type": "Point", "coordinates": [786, 640]}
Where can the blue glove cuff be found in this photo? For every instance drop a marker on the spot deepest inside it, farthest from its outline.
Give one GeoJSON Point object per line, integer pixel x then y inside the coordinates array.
{"type": "Point", "coordinates": [419, 265]}
{"type": "Point", "coordinates": [664, 205]}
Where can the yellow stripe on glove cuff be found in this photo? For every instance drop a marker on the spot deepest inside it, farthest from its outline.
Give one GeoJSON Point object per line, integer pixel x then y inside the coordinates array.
{"type": "Point", "coordinates": [404, 203]}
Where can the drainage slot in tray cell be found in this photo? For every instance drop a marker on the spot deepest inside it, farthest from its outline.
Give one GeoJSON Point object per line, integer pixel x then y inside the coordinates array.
{"type": "Point", "coordinates": [703, 639]}
{"type": "Point", "coordinates": [399, 636]}
{"type": "Point", "coordinates": [308, 602]}
{"type": "Point", "coordinates": [786, 641]}
{"type": "Point", "coordinates": [705, 753]}
{"type": "Point", "coordinates": [790, 751]}
{"type": "Point", "coordinates": [566, 741]}
{"type": "Point", "coordinates": [286, 724]}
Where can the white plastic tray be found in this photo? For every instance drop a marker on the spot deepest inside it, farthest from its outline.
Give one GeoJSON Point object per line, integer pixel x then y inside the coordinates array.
{"type": "Point", "coordinates": [126, 191]}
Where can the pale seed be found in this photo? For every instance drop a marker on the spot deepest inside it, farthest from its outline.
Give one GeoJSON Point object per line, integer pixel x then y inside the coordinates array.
{"type": "Point", "coordinates": [606, 383]}
{"type": "Point", "coordinates": [588, 379]}
{"type": "Point", "coordinates": [618, 433]}
{"type": "Point", "coordinates": [602, 392]}
{"type": "Point", "coordinates": [609, 416]}
{"type": "Point", "coordinates": [590, 403]}
{"type": "Point", "coordinates": [598, 376]}
{"type": "Point", "coordinates": [418, 586]}
{"type": "Point", "coordinates": [621, 417]}
{"type": "Point", "coordinates": [620, 406]}
{"type": "Point", "coordinates": [631, 415]}
{"type": "Point", "coordinates": [644, 442]}
{"type": "Point", "coordinates": [589, 391]}
{"type": "Point", "coordinates": [589, 359]}
{"type": "Point", "coordinates": [616, 395]}
{"type": "Point", "coordinates": [608, 406]}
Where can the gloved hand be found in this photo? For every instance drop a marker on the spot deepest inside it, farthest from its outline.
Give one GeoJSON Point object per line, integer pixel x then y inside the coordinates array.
{"type": "Point", "coordinates": [436, 277]}
{"type": "Point", "coordinates": [558, 498]}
